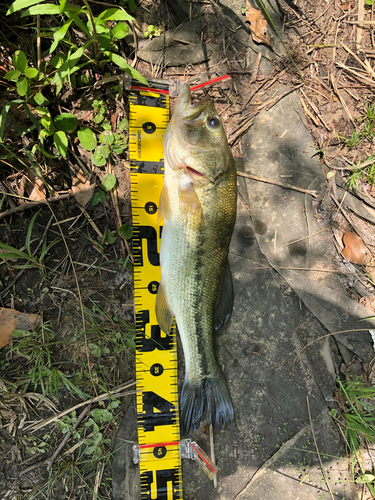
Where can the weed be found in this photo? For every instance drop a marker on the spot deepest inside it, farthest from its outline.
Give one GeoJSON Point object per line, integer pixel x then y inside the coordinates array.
{"type": "Point", "coordinates": [152, 31]}
{"type": "Point", "coordinates": [366, 174]}
{"type": "Point", "coordinates": [31, 261]}
{"type": "Point", "coordinates": [358, 424]}
{"type": "Point", "coordinates": [36, 348]}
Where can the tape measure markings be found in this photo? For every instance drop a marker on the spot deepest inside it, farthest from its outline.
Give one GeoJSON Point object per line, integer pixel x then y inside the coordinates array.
{"type": "Point", "coordinates": [156, 353]}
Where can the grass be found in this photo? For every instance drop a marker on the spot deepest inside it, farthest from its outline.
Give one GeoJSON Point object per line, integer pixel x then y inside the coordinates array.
{"type": "Point", "coordinates": [36, 361]}
{"type": "Point", "coordinates": [357, 423]}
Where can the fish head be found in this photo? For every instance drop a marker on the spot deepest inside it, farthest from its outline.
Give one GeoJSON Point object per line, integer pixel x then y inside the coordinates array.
{"type": "Point", "coordinates": [195, 144]}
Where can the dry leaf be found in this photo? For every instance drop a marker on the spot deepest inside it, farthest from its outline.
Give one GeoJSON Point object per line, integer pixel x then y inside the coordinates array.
{"type": "Point", "coordinates": [39, 191]}
{"type": "Point", "coordinates": [82, 189]}
{"type": "Point", "coordinates": [258, 24]}
{"type": "Point", "coordinates": [10, 320]}
{"type": "Point", "coordinates": [354, 250]}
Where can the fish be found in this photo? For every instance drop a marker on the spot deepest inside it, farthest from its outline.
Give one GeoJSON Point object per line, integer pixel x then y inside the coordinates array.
{"type": "Point", "coordinates": [198, 203]}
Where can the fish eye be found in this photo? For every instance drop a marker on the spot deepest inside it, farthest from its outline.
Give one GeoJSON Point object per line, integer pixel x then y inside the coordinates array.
{"type": "Point", "coordinates": [213, 122]}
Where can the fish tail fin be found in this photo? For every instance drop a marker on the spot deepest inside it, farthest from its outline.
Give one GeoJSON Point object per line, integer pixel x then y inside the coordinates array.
{"type": "Point", "coordinates": [209, 399]}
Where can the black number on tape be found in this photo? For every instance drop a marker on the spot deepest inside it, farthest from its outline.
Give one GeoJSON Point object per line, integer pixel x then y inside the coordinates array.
{"type": "Point", "coordinates": [147, 233]}
{"type": "Point", "coordinates": [156, 341]}
{"type": "Point", "coordinates": [163, 477]}
{"type": "Point", "coordinates": [151, 419]}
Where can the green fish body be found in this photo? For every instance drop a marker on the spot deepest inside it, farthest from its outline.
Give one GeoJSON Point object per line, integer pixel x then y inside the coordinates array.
{"type": "Point", "coordinates": [198, 203]}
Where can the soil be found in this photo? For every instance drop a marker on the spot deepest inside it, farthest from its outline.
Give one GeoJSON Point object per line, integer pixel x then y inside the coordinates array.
{"type": "Point", "coordinates": [84, 287]}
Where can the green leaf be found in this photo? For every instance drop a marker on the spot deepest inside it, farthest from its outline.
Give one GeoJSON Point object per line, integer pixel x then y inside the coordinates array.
{"type": "Point", "coordinates": [107, 137]}
{"type": "Point", "coordinates": [31, 72]}
{"type": "Point", "coordinates": [97, 198]}
{"type": "Point", "coordinates": [22, 86]}
{"type": "Point", "coordinates": [108, 182]}
{"type": "Point", "coordinates": [29, 231]}
{"type": "Point", "coordinates": [102, 151]}
{"type": "Point", "coordinates": [13, 75]}
{"type": "Point", "coordinates": [21, 4]}
{"type": "Point", "coordinates": [120, 30]}
{"type": "Point", "coordinates": [123, 125]}
{"type": "Point", "coordinates": [60, 34]}
{"type": "Point", "coordinates": [115, 15]}
{"type": "Point", "coordinates": [98, 160]}
{"type": "Point", "coordinates": [87, 138]}
{"type": "Point", "coordinates": [19, 60]}
{"type": "Point", "coordinates": [104, 41]}
{"type": "Point", "coordinates": [61, 142]}
{"type": "Point", "coordinates": [66, 122]}
{"type": "Point", "coordinates": [48, 9]}
{"type": "Point", "coordinates": [69, 66]}
{"type": "Point", "coordinates": [125, 232]}
{"type": "Point", "coordinates": [122, 63]}
{"type": "Point", "coordinates": [40, 99]}
{"type": "Point", "coordinates": [365, 478]}
{"type": "Point", "coordinates": [109, 238]}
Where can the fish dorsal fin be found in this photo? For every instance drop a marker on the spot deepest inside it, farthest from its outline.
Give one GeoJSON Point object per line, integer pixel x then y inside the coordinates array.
{"type": "Point", "coordinates": [164, 315]}
{"type": "Point", "coordinates": [164, 209]}
{"type": "Point", "coordinates": [224, 305]}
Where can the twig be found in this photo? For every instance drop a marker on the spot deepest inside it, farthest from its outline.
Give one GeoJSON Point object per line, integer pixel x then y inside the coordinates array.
{"type": "Point", "coordinates": [315, 110]}
{"type": "Point", "coordinates": [98, 480]}
{"type": "Point", "coordinates": [49, 461]}
{"type": "Point", "coordinates": [277, 183]}
{"type": "Point", "coordinates": [244, 203]}
{"type": "Point", "coordinates": [334, 85]}
{"type": "Point", "coordinates": [306, 237]}
{"type": "Point", "coordinates": [117, 391]}
{"type": "Point", "coordinates": [317, 449]}
{"type": "Point", "coordinates": [363, 78]}
{"type": "Point", "coordinates": [213, 452]}
{"type": "Point", "coordinates": [255, 70]}
{"type": "Point", "coordinates": [284, 95]}
{"type": "Point", "coordinates": [32, 204]}
{"type": "Point", "coordinates": [38, 43]}
{"type": "Point", "coordinates": [323, 337]}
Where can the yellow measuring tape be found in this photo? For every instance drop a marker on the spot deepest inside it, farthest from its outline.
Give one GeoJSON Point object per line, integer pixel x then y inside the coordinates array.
{"type": "Point", "coordinates": [156, 353]}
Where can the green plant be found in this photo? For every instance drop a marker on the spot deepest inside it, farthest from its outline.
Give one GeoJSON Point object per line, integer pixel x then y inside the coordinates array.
{"type": "Point", "coordinates": [36, 348]}
{"type": "Point", "coordinates": [364, 174]}
{"type": "Point", "coordinates": [31, 260]}
{"type": "Point", "coordinates": [358, 424]}
{"type": "Point", "coordinates": [97, 30]}
{"type": "Point", "coordinates": [152, 31]}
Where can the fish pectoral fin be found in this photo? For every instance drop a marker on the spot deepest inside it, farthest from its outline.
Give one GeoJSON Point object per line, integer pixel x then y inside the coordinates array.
{"type": "Point", "coordinates": [164, 315]}
{"type": "Point", "coordinates": [164, 209]}
{"type": "Point", "coordinates": [224, 305]}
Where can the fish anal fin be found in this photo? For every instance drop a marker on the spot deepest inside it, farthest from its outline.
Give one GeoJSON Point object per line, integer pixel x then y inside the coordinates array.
{"type": "Point", "coordinates": [164, 315]}
{"type": "Point", "coordinates": [164, 209]}
{"type": "Point", "coordinates": [224, 305]}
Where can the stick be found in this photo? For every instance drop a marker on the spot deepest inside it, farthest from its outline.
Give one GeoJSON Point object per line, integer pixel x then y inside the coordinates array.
{"type": "Point", "coordinates": [213, 452]}
{"type": "Point", "coordinates": [317, 449]}
{"type": "Point", "coordinates": [49, 461]}
{"type": "Point", "coordinates": [277, 183]}
{"type": "Point", "coordinates": [255, 70]}
{"type": "Point", "coordinates": [305, 237]}
{"type": "Point", "coordinates": [32, 204]}
{"type": "Point", "coordinates": [102, 397]}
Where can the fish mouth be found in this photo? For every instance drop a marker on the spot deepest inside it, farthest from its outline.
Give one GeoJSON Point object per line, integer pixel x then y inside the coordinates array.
{"type": "Point", "coordinates": [191, 111]}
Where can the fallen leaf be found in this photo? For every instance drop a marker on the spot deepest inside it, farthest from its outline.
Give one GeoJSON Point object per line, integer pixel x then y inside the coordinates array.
{"type": "Point", "coordinates": [354, 250]}
{"type": "Point", "coordinates": [258, 24]}
{"type": "Point", "coordinates": [38, 191]}
{"type": "Point", "coordinates": [11, 320]}
{"type": "Point", "coordinates": [82, 189]}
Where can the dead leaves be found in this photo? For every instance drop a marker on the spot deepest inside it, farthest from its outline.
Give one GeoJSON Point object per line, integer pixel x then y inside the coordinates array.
{"type": "Point", "coordinates": [82, 189]}
{"type": "Point", "coordinates": [258, 25]}
{"type": "Point", "coordinates": [355, 250]}
{"type": "Point", "coordinates": [11, 320]}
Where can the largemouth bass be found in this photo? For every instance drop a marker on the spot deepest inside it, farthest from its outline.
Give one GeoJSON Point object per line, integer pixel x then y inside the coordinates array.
{"type": "Point", "coordinates": [198, 203]}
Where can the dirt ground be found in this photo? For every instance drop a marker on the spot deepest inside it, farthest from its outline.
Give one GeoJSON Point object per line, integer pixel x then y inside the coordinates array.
{"type": "Point", "coordinates": [83, 286]}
